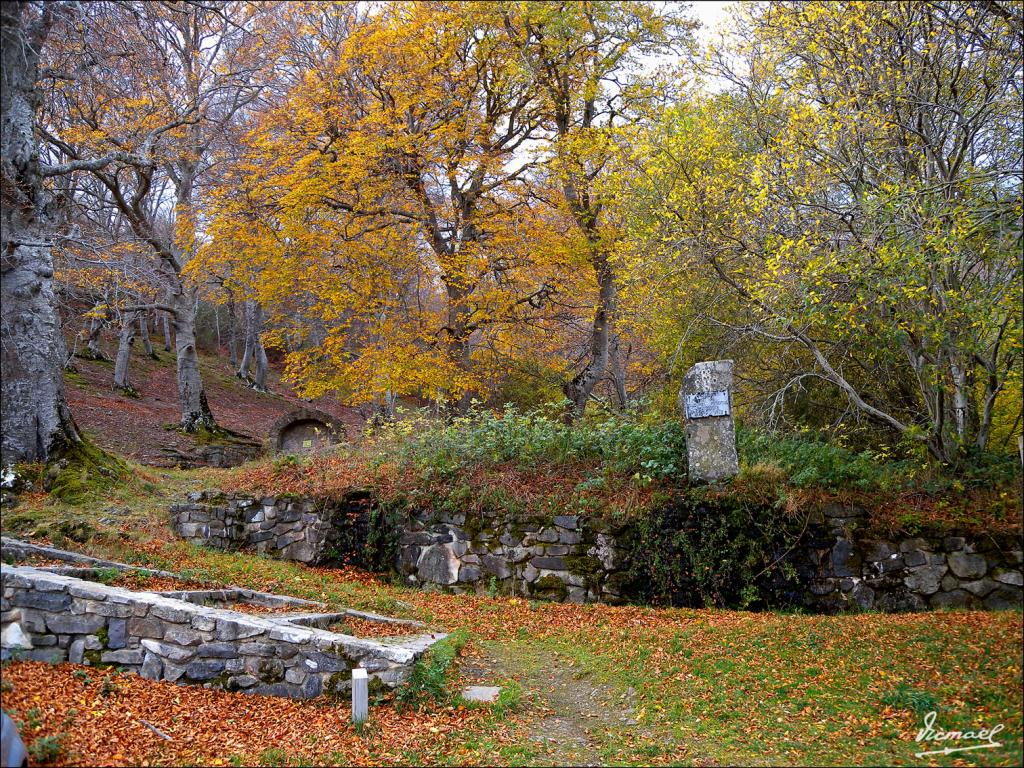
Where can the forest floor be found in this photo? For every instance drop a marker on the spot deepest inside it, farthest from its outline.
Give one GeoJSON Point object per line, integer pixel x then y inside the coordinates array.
{"type": "Point", "coordinates": [585, 684]}
{"type": "Point", "coordinates": [142, 427]}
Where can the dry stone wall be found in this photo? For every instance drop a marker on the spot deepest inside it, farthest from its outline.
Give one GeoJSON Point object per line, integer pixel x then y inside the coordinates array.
{"type": "Point", "coordinates": [841, 565]}
{"type": "Point", "coordinates": [56, 617]}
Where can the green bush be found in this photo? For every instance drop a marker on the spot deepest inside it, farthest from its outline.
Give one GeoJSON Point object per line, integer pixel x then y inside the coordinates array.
{"type": "Point", "coordinates": [623, 443]}
{"type": "Point", "coordinates": [428, 683]}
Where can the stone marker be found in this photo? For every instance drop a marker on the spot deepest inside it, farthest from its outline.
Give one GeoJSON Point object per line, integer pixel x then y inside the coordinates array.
{"type": "Point", "coordinates": [360, 696]}
{"type": "Point", "coordinates": [705, 400]}
{"type": "Point", "coordinates": [485, 693]}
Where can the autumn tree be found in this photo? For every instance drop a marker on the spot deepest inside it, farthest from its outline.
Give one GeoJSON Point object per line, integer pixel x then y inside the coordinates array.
{"type": "Point", "coordinates": [858, 189]}
{"type": "Point", "coordinates": [390, 196]}
{"type": "Point", "coordinates": [168, 78]}
{"type": "Point", "coordinates": [585, 60]}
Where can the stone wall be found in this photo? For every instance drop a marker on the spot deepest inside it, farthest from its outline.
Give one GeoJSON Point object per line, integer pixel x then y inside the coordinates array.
{"type": "Point", "coordinates": [841, 565]}
{"type": "Point", "coordinates": [848, 567]}
{"type": "Point", "coordinates": [56, 617]}
{"type": "Point", "coordinates": [294, 529]}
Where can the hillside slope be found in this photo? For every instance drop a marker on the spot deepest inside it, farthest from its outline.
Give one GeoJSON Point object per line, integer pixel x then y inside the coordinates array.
{"type": "Point", "coordinates": [141, 428]}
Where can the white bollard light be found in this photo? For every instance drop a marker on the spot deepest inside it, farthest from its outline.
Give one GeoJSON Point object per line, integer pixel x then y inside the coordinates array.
{"type": "Point", "coordinates": [360, 696]}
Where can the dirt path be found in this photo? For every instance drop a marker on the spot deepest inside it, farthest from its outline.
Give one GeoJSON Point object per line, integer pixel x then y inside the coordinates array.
{"type": "Point", "coordinates": [576, 715]}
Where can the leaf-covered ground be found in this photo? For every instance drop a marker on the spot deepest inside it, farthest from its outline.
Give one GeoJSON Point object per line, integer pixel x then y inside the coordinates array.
{"type": "Point", "coordinates": [617, 685]}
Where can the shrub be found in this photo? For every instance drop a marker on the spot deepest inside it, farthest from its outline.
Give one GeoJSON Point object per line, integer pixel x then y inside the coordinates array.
{"type": "Point", "coordinates": [428, 683]}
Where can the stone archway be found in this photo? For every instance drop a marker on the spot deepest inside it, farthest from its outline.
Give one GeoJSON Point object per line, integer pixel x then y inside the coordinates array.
{"type": "Point", "coordinates": [304, 431]}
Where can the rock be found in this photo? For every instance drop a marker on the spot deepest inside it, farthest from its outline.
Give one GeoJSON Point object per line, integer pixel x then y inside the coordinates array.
{"type": "Point", "coordinates": [204, 670]}
{"type": "Point", "coordinates": [438, 565]}
{"type": "Point", "coordinates": [483, 693]}
{"type": "Point", "coordinates": [979, 588]}
{"type": "Point", "coordinates": [925, 579]}
{"type": "Point", "coordinates": [123, 656]}
{"type": "Point", "coordinates": [845, 560]}
{"type": "Point", "coordinates": [548, 536]}
{"type": "Point", "coordinates": [496, 566]}
{"type": "Point", "coordinates": [875, 551]}
{"type": "Point", "coordinates": [953, 543]}
{"type": "Point", "coordinates": [117, 633]}
{"type": "Point", "coordinates": [569, 537]}
{"type": "Point", "coordinates": [182, 636]}
{"type": "Point", "coordinates": [549, 563]}
{"type": "Point", "coordinates": [1004, 598]}
{"type": "Point", "coordinates": [1010, 577]}
{"type": "Point", "coordinates": [76, 653]}
{"type": "Point", "coordinates": [171, 652]}
{"type": "Point", "coordinates": [152, 666]}
{"type": "Point", "coordinates": [949, 582]}
{"type": "Point", "coordinates": [241, 682]}
{"type": "Point", "coordinates": [900, 602]}
{"type": "Point", "coordinates": [967, 566]}
{"type": "Point", "coordinates": [567, 521]}
{"type": "Point", "coordinates": [221, 650]}
{"type": "Point", "coordinates": [72, 624]}
{"type": "Point", "coordinates": [956, 598]}
{"type": "Point", "coordinates": [145, 628]}
{"type": "Point", "coordinates": [44, 601]}
{"type": "Point", "coordinates": [915, 557]}
{"type": "Point", "coordinates": [909, 545]}
{"type": "Point", "coordinates": [469, 573]}
{"type": "Point", "coordinates": [13, 636]}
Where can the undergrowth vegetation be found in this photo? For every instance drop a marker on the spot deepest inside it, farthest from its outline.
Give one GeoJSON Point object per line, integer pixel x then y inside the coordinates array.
{"type": "Point", "coordinates": [623, 465]}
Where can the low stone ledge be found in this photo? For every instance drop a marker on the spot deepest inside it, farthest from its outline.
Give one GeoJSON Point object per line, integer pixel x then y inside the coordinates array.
{"type": "Point", "coordinates": [60, 617]}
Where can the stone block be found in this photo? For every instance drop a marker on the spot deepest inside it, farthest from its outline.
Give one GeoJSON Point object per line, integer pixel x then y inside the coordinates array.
{"type": "Point", "coordinates": [980, 587]}
{"type": "Point", "coordinates": [925, 579]}
{"type": "Point", "coordinates": [117, 633]}
{"type": "Point", "coordinates": [171, 613]}
{"type": "Point", "coordinates": [168, 651]}
{"type": "Point", "coordinates": [152, 666]}
{"type": "Point", "coordinates": [570, 522]}
{"type": "Point", "coordinates": [76, 651]}
{"type": "Point", "coordinates": [915, 557]}
{"type": "Point", "coordinates": [182, 635]}
{"type": "Point", "coordinates": [71, 624]}
{"type": "Point", "coordinates": [44, 601]}
{"type": "Point", "coordinates": [705, 400]}
{"type": "Point", "coordinates": [1004, 598]}
{"type": "Point", "coordinates": [219, 650]}
{"type": "Point", "coordinates": [130, 656]}
{"type": "Point", "coordinates": [145, 628]}
{"type": "Point", "coordinates": [549, 563]}
{"type": "Point", "coordinates": [875, 550]}
{"type": "Point", "coordinates": [569, 537]}
{"type": "Point", "coordinates": [204, 670]}
{"type": "Point", "coordinates": [496, 566]}
{"type": "Point", "coordinates": [547, 536]}
{"type": "Point", "coordinates": [1014, 578]}
{"type": "Point", "coordinates": [469, 573]}
{"type": "Point", "coordinates": [956, 598]}
{"type": "Point", "coordinates": [967, 566]}
{"type": "Point", "coordinates": [953, 543]}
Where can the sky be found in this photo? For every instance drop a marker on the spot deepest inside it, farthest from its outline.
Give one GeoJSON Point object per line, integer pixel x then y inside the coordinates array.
{"type": "Point", "coordinates": [708, 13]}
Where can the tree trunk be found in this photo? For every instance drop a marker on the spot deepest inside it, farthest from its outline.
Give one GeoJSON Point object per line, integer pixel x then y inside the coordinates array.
{"type": "Point", "coordinates": [124, 351]}
{"type": "Point", "coordinates": [195, 411]}
{"type": "Point", "coordinates": [247, 349]}
{"type": "Point", "coordinates": [147, 345]}
{"type": "Point", "coordinates": [619, 357]}
{"type": "Point", "coordinates": [93, 351]}
{"type": "Point", "coordinates": [232, 330]}
{"type": "Point", "coordinates": [167, 332]}
{"type": "Point", "coordinates": [254, 356]}
{"type": "Point", "coordinates": [578, 389]}
{"type": "Point", "coordinates": [36, 421]}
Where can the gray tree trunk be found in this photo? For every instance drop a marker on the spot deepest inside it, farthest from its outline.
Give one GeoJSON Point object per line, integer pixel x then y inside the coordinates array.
{"type": "Point", "coordinates": [129, 321]}
{"type": "Point", "coordinates": [93, 351]}
{"type": "Point", "coordinates": [232, 331]}
{"type": "Point", "coordinates": [619, 357]}
{"type": "Point", "coordinates": [254, 355]}
{"type": "Point", "coordinates": [147, 345]}
{"type": "Point", "coordinates": [578, 389]}
{"type": "Point", "coordinates": [167, 332]}
{"type": "Point", "coordinates": [195, 411]}
{"type": "Point", "coordinates": [36, 420]}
